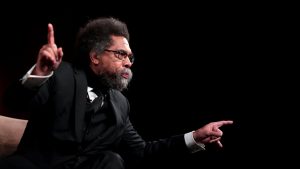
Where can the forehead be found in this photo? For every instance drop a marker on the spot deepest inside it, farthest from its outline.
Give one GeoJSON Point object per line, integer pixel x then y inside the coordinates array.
{"type": "Point", "coordinates": [120, 42]}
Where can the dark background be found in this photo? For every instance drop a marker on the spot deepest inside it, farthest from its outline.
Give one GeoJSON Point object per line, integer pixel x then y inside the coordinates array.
{"type": "Point", "coordinates": [193, 65]}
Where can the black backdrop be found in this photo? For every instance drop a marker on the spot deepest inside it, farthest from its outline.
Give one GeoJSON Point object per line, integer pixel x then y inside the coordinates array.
{"type": "Point", "coordinates": [193, 65]}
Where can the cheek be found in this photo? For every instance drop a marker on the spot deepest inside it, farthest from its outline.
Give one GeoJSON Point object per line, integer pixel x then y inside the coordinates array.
{"type": "Point", "coordinates": [112, 68]}
{"type": "Point", "coordinates": [101, 68]}
{"type": "Point", "coordinates": [116, 70]}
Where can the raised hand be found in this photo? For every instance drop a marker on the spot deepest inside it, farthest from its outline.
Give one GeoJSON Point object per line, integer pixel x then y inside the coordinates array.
{"type": "Point", "coordinates": [49, 56]}
{"type": "Point", "coordinates": [211, 133]}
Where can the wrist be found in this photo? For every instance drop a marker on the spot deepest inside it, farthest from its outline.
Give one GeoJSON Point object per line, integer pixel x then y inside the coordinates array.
{"type": "Point", "coordinates": [195, 137]}
{"type": "Point", "coordinates": [39, 72]}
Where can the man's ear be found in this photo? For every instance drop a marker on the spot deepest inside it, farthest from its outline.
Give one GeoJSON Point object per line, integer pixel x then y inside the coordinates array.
{"type": "Point", "coordinates": [94, 58]}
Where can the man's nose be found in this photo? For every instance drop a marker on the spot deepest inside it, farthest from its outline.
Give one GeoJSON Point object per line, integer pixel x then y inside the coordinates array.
{"type": "Point", "coordinates": [127, 63]}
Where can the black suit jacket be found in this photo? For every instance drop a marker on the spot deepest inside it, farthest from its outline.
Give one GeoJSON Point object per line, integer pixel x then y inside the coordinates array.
{"type": "Point", "coordinates": [55, 129]}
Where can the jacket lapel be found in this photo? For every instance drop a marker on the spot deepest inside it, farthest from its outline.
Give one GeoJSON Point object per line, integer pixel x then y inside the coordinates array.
{"type": "Point", "coordinates": [80, 102]}
{"type": "Point", "coordinates": [116, 109]}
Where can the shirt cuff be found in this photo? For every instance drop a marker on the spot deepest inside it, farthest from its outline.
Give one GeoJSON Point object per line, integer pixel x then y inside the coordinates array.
{"type": "Point", "coordinates": [33, 81]}
{"type": "Point", "coordinates": [192, 145]}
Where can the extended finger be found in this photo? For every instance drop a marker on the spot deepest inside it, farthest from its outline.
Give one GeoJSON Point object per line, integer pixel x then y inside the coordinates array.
{"type": "Point", "coordinates": [224, 122]}
{"type": "Point", "coordinates": [51, 39]}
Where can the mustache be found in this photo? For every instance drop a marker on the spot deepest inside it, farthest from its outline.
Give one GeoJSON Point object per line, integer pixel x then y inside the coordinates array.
{"type": "Point", "coordinates": [126, 71]}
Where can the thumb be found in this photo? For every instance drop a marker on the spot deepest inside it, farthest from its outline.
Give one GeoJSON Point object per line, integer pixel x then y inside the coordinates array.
{"type": "Point", "coordinates": [60, 54]}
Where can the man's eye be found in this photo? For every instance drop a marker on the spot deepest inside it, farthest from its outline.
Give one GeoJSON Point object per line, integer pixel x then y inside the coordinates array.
{"type": "Point", "coordinates": [122, 53]}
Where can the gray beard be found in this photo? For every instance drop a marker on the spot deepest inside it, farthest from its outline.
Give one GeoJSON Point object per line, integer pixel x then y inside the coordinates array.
{"type": "Point", "coordinates": [116, 81]}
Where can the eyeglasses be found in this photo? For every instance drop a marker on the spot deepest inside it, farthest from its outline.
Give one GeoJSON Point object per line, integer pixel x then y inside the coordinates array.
{"type": "Point", "coordinates": [121, 54]}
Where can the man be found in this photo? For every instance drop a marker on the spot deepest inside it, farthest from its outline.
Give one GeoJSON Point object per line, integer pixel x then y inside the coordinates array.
{"type": "Point", "coordinates": [79, 118]}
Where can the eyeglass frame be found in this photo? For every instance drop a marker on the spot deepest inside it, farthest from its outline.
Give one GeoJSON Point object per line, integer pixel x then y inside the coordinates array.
{"type": "Point", "coordinates": [121, 55]}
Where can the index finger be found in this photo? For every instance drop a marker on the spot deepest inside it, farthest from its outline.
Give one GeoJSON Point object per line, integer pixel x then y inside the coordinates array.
{"type": "Point", "coordinates": [50, 34]}
{"type": "Point", "coordinates": [224, 122]}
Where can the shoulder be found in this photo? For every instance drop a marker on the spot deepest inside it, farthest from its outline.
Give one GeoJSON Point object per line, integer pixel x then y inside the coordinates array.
{"type": "Point", "coordinates": [64, 66]}
{"type": "Point", "coordinates": [66, 70]}
{"type": "Point", "coordinates": [65, 73]}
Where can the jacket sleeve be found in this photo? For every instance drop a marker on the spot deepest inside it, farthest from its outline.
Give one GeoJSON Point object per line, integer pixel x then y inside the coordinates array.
{"type": "Point", "coordinates": [139, 149]}
{"type": "Point", "coordinates": [18, 99]}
